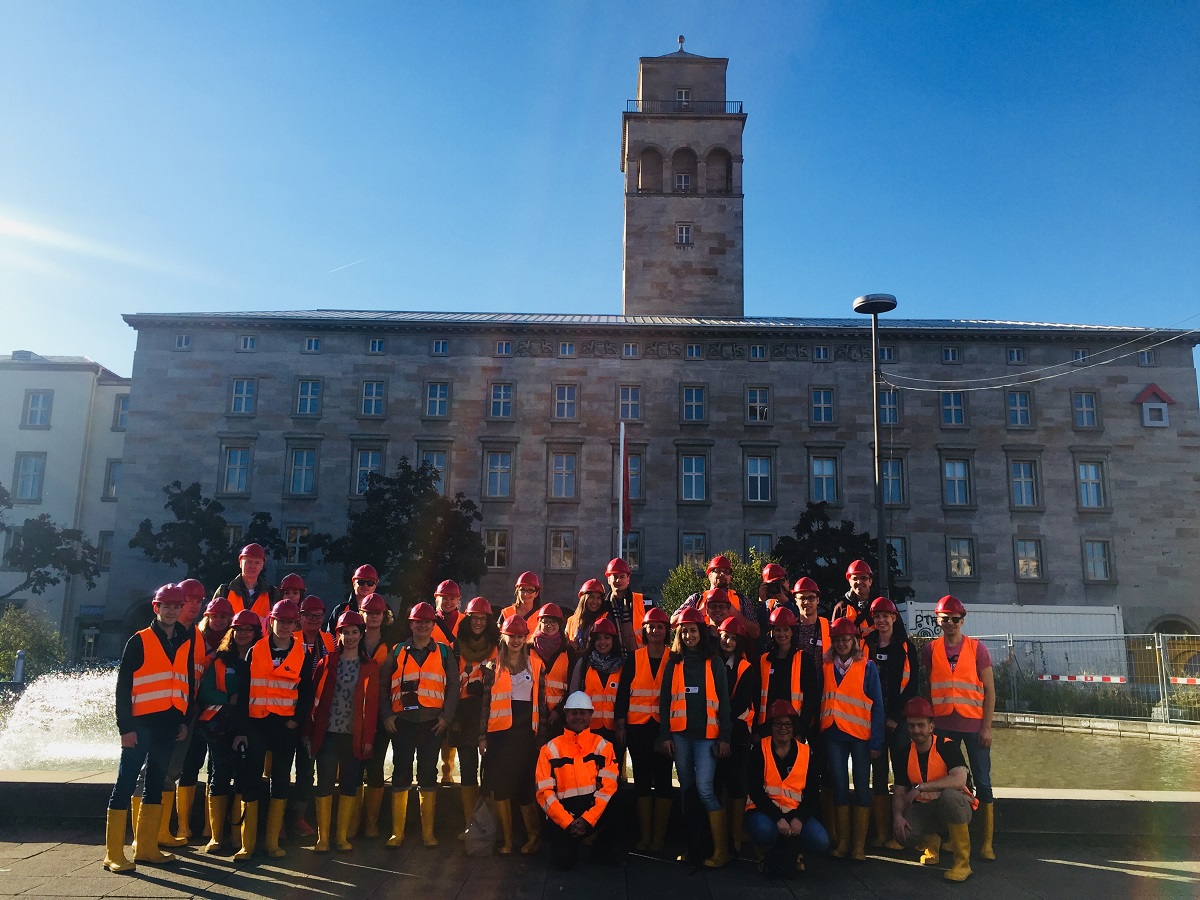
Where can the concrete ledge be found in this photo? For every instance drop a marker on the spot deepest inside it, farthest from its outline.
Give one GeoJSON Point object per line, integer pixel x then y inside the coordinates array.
{"type": "Point", "coordinates": [1130, 728]}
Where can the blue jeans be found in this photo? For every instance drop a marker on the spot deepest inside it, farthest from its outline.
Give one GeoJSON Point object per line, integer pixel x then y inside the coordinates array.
{"type": "Point", "coordinates": [697, 766]}
{"type": "Point", "coordinates": [858, 754]}
{"type": "Point", "coordinates": [155, 743]}
{"type": "Point", "coordinates": [764, 833]}
{"type": "Point", "coordinates": [980, 760]}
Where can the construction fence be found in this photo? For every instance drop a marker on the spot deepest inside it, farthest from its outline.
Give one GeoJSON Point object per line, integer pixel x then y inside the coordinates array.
{"type": "Point", "coordinates": [1130, 676]}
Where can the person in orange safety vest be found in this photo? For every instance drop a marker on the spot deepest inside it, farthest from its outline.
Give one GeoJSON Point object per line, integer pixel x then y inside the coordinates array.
{"type": "Point", "coordinates": [249, 589]}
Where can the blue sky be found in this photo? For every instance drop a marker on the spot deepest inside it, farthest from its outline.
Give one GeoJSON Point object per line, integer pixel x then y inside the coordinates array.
{"type": "Point", "coordinates": [1011, 160]}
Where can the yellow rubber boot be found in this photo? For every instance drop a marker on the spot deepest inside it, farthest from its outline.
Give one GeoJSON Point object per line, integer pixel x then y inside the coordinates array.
{"type": "Point", "coordinates": [202, 799]}
{"type": "Point", "coordinates": [184, 797]}
{"type": "Point", "coordinates": [841, 818]}
{"type": "Point", "coordinates": [961, 870]}
{"type": "Point", "coordinates": [881, 812]}
{"type": "Point", "coordinates": [276, 810]}
{"type": "Point", "coordinates": [218, 809]}
{"type": "Point", "coordinates": [662, 818]}
{"type": "Point", "coordinates": [931, 850]}
{"type": "Point", "coordinates": [135, 809]}
{"type": "Point", "coordinates": [645, 809]}
{"type": "Point", "coordinates": [737, 815]}
{"type": "Point", "coordinates": [345, 819]}
{"type": "Point", "coordinates": [359, 807]}
{"type": "Point", "coordinates": [146, 835]}
{"type": "Point", "coordinates": [249, 831]}
{"type": "Point", "coordinates": [532, 817]}
{"type": "Point", "coordinates": [469, 794]}
{"type": "Point", "coordinates": [372, 804]}
{"type": "Point", "coordinates": [504, 817]}
{"type": "Point", "coordinates": [165, 838]}
{"type": "Point", "coordinates": [719, 826]}
{"type": "Point", "coordinates": [114, 841]}
{"type": "Point", "coordinates": [829, 817]}
{"type": "Point", "coordinates": [324, 808]}
{"type": "Point", "coordinates": [858, 834]}
{"type": "Point", "coordinates": [399, 815]}
{"type": "Point", "coordinates": [428, 809]}
{"type": "Point", "coordinates": [448, 754]}
{"type": "Point", "coordinates": [989, 823]}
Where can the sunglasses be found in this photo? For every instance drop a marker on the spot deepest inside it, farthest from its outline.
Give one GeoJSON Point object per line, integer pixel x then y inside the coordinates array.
{"type": "Point", "coordinates": [953, 620]}
{"type": "Point", "coordinates": [365, 583]}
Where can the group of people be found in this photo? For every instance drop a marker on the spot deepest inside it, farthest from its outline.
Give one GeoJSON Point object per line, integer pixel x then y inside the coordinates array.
{"type": "Point", "coordinates": [786, 728]}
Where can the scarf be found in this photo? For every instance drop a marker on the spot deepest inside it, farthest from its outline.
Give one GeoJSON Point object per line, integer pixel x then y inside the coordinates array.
{"type": "Point", "coordinates": [605, 665]}
{"type": "Point", "coordinates": [474, 648]}
{"type": "Point", "coordinates": [548, 645]}
{"type": "Point", "coordinates": [842, 666]}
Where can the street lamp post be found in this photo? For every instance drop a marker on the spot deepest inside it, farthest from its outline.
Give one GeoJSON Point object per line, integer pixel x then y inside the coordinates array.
{"type": "Point", "coordinates": [872, 305]}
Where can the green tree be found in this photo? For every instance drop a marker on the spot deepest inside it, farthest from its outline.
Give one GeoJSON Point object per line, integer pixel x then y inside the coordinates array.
{"type": "Point", "coordinates": [687, 579]}
{"type": "Point", "coordinates": [43, 646]}
{"type": "Point", "coordinates": [45, 553]}
{"type": "Point", "coordinates": [822, 551]}
{"type": "Point", "coordinates": [414, 536]}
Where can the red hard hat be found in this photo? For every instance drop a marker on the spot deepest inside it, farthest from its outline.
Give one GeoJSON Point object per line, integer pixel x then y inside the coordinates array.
{"type": "Point", "coordinates": [780, 709]}
{"type": "Point", "coordinates": [373, 603]}
{"type": "Point", "coordinates": [843, 627]}
{"type": "Point", "coordinates": [219, 606]}
{"type": "Point", "coordinates": [312, 604]}
{"type": "Point", "coordinates": [515, 625]}
{"type": "Point", "coordinates": [604, 625]}
{"type": "Point", "coordinates": [883, 605]}
{"type": "Point", "coordinates": [804, 585]}
{"type": "Point", "coordinates": [479, 605]}
{"type": "Point", "coordinates": [617, 566]}
{"type": "Point", "coordinates": [952, 605]}
{"type": "Point", "coordinates": [654, 614]}
{"type": "Point", "coordinates": [781, 615]}
{"type": "Point", "coordinates": [591, 586]}
{"type": "Point", "coordinates": [918, 708]}
{"type": "Point", "coordinates": [718, 563]}
{"type": "Point", "coordinates": [717, 595]}
{"type": "Point", "coordinates": [689, 615]}
{"type": "Point", "coordinates": [551, 610]}
{"type": "Point", "coordinates": [773, 572]}
{"type": "Point", "coordinates": [192, 588]}
{"type": "Point", "coordinates": [351, 617]}
{"type": "Point", "coordinates": [246, 617]}
{"type": "Point", "coordinates": [367, 573]}
{"type": "Point", "coordinates": [529, 579]}
{"type": "Point", "coordinates": [284, 610]}
{"type": "Point", "coordinates": [254, 551]}
{"type": "Point", "coordinates": [170, 594]}
{"type": "Point", "coordinates": [733, 626]}
{"type": "Point", "coordinates": [448, 589]}
{"type": "Point", "coordinates": [858, 567]}
{"type": "Point", "coordinates": [422, 612]}
{"type": "Point", "coordinates": [291, 582]}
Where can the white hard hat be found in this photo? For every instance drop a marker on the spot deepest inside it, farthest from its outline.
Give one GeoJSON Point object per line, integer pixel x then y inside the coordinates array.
{"type": "Point", "coordinates": [579, 700]}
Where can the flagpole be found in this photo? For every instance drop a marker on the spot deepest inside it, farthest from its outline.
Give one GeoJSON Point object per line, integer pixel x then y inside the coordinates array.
{"type": "Point", "coordinates": [621, 496]}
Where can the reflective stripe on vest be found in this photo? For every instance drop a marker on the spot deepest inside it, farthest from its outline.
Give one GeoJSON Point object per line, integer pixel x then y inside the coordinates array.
{"type": "Point", "coordinates": [958, 691]}
{"type": "Point", "coordinates": [160, 683]}
{"type": "Point", "coordinates": [219, 669]}
{"type": "Point", "coordinates": [574, 773]}
{"type": "Point", "coordinates": [604, 696]}
{"type": "Point", "coordinates": [261, 606]}
{"type": "Point", "coordinates": [556, 680]}
{"type": "Point", "coordinates": [430, 677]}
{"type": "Point", "coordinates": [200, 657]}
{"type": "Point", "coordinates": [472, 673]}
{"type": "Point", "coordinates": [679, 722]}
{"type": "Point", "coordinates": [274, 688]}
{"type": "Point", "coordinates": [748, 713]}
{"type": "Point", "coordinates": [500, 708]}
{"type": "Point", "coordinates": [796, 697]}
{"type": "Point", "coordinates": [935, 768]}
{"type": "Point", "coordinates": [644, 689]}
{"type": "Point", "coordinates": [786, 793]}
{"type": "Point", "coordinates": [847, 705]}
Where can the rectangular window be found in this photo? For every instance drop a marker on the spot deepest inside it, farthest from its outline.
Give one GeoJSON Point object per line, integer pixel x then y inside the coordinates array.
{"type": "Point", "coordinates": [247, 343]}
{"type": "Point", "coordinates": [822, 406]}
{"type": "Point", "coordinates": [121, 413]}
{"type": "Point", "coordinates": [377, 345]}
{"type": "Point", "coordinates": [892, 471]}
{"type": "Point", "coordinates": [634, 466]}
{"type": "Point", "coordinates": [761, 543]}
{"type": "Point", "coordinates": [821, 353]}
{"type": "Point", "coordinates": [1147, 358]}
{"type": "Point", "coordinates": [183, 342]}
{"type": "Point", "coordinates": [372, 398]}
{"type": "Point", "coordinates": [758, 404]}
{"type": "Point", "coordinates": [566, 348]}
{"type": "Point", "coordinates": [629, 350]}
{"type": "Point", "coordinates": [495, 548]}
{"type": "Point", "coordinates": [1016, 356]}
{"type": "Point", "coordinates": [889, 407]}
{"type": "Point", "coordinates": [683, 98]}
{"type": "Point", "coordinates": [693, 404]}
{"type": "Point", "coordinates": [504, 348]}
{"type": "Point", "coordinates": [440, 347]}
{"type": "Point", "coordinates": [1023, 482]}
{"type": "Point", "coordinates": [498, 473]}
{"type": "Point", "coordinates": [566, 401]}
{"type": "Point", "coordinates": [233, 535]}
{"type": "Point", "coordinates": [960, 553]}
{"type": "Point", "coordinates": [437, 399]}
{"type": "Point", "coordinates": [1028, 555]}
{"type": "Point", "coordinates": [37, 409]}
{"type": "Point", "coordinates": [12, 541]}
{"type": "Point", "coordinates": [691, 471]}
{"type": "Point", "coordinates": [105, 546]}
{"type": "Point", "coordinates": [1020, 413]}
{"type": "Point", "coordinates": [502, 400]}
{"type": "Point", "coordinates": [632, 551]}
{"type": "Point", "coordinates": [631, 401]}
{"type": "Point", "coordinates": [1080, 355]}
{"type": "Point", "coordinates": [758, 351]}
{"type": "Point", "coordinates": [367, 462]}
{"type": "Point", "coordinates": [562, 476]}
{"type": "Point", "coordinates": [112, 480]}
{"type": "Point", "coordinates": [824, 485]}
{"type": "Point", "coordinates": [899, 546]}
{"type": "Point", "coordinates": [241, 400]}
{"type": "Point", "coordinates": [758, 479]}
{"type": "Point", "coordinates": [956, 482]}
{"type": "Point", "coordinates": [954, 411]}
{"type": "Point", "coordinates": [235, 474]}
{"type": "Point", "coordinates": [312, 345]}
{"type": "Point", "coordinates": [695, 351]}
{"type": "Point", "coordinates": [1091, 485]}
{"type": "Point", "coordinates": [1097, 561]}
{"type": "Point", "coordinates": [296, 537]}
{"type": "Point", "coordinates": [887, 354]}
{"type": "Point", "coordinates": [694, 548]}
{"type": "Point", "coordinates": [950, 355]}
{"type": "Point", "coordinates": [683, 182]}
{"type": "Point", "coordinates": [308, 398]}
{"type": "Point", "coordinates": [302, 479]}
{"type": "Point", "coordinates": [437, 460]}
{"type": "Point", "coordinates": [1084, 403]}
{"type": "Point", "coordinates": [683, 234]}
{"type": "Point", "coordinates": [30, 477]}
{"type": "Point", "coordinates": [562, 549]}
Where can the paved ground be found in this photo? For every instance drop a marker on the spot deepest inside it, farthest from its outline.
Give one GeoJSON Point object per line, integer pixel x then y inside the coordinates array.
{"type": "Point", "coordinates": [42, 861]}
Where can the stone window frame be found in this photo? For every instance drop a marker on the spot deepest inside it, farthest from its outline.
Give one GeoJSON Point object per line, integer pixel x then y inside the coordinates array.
{"type": "Point", "coordinates": [1010, 407]}
{"type": "Point", "coordinates": [565, 396]}
{"type": "Point", "coordinates": [45, 412]}
{"type": "Point", "coordinates": [299, 553]}
{"type": "Point", "coordinates": [229, 444]}
{"type": "Point", "coordinates": [492, 400]}
{"type": "Point", "coordinates": [765, 414]}
{"type": "Point", "coordinates": [427, 445]}
{"type": "Point", "coordinates": [972, 545]}
{"type": "Point", "coordinates": [1096, 410]}
{"type": "Point", "coordinates": [301, 445]}
{"type": "Point", "coordinates": [508, 448]}
{"type": "Point", "coordinates": [1109, 559]}
{"type": "Point", "coordinates": [555, 533]}
{"type": "Point", "coordinates": [1042, 577]}
{"type": "Point", "coordinates": [814, 406]}
{"type": "Point", "coordinates": [492, 550]}
{"type": "Point", "coordinates": [120, 420]}
{"type": "Point", "coordinates": [357, 447]}
{"type": "Point", "coordinates": [683, 403]}
{"type": "Point", "coordinates": [634, 402]}
{"type": "Point", "coordinates": [16, 495]}
{"type": "Point", "coordinates": [381, 400]}
{"type": "Point", "coordinates": [427, 398]}
{"type": "Point", "coordinates": [825, 452]}
{"type": "Point", "coordinates": [111, 489]}
{"type": "Point", "coordinates": [317, 400]}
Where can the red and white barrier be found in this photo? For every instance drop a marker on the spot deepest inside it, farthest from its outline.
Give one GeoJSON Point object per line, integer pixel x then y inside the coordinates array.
{"type": "Point", "coordinates": [1090, 679]}
{"type": "Point", "coordinates": [1185, 681]}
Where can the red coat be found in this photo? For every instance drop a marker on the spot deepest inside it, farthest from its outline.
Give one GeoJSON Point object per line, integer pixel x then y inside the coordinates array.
{"type": "Point", "coordinates": [366, 704]}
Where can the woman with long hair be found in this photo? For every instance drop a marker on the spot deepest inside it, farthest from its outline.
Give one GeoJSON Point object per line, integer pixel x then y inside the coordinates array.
{"type": "Point", "coordinates": [598, 674]}
{"type": "Point", "coordinates": [590, 608]}
{"type": "Point", "coordinates": [739, 654]}
{"type": "Point", "coordinates": [550, 645]}
{"type": "Point", "coordinates": [476, 637]}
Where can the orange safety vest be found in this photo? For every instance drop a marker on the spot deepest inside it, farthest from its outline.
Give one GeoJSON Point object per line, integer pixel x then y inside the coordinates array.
{"type": "Point", "coordinates": [261, 607]}
{"type": "Point", "coordinates": [935, 768]}
{"type": "Point", "coordinates": [906, 675]}
{"type": "Point", "coordinates": [679, 692]}
{"type": "Point", "coordinates": [431, 678]}
{"type": "Point", "coordinates": [604, 696]}
{"type": "Point", "coordinates": [847, 705]}
{"type": "Point", "coordinates": [556, 679]}
{"type": "Point", "coordinates": [639, 616]}
{"type": "Point", "coordinates": [511, 610]}
{"type": "Point", "coordinates": [441, 635]}
{"type": "Point", "coordinates": [766, 667]}
{"type": "Point", "coordinates": [219, 670]}
{"type": "Point", "coordinates": [959, 690]}
{"type": "Point", "coordinates": [274, 689]}
{"type": "Point", "coordinates": [381, 652]}
{"type": "Point", "coordinates": [201, 659]}
{"type": "Point", "coordinates": [825, 642]}
{"type": "Point", "coordinates": [786, 793]}
{"type": "Point", "coordinates": [472, 673]}
{"type": "Point", "coordinates": [500, 716]}
{"type": "Point", "coordinates": [644, 689]}
{"type": "Point", "coordinates": [575, 765]}
{"type": "Point", "coordinates": [160, 683]}
{"type": "Point", "coordinates": [748, 713]}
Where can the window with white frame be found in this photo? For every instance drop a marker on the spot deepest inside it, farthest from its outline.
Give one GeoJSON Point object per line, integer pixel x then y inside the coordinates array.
{"type": "Point", "coordinates": [183, 342]}
{"type": "Point", "coordinates": [692, 486]}
{"type": "Point", "coordinates": [302, 477]}
{"type": "Point", "coordinates": [892, 471]}
{"type": "Point", "coordinates": [683, 182]}
{"type": "Point", "coordinates": [758, 351]}
{"type": "Point", "coordinates": [377, 345]}
{"type": "Point", "coordinates": [1090, 479]}
{"type": "Point", "coordinates": [822, 406]}
{"type": "Point", "coordinates": [566, 348]}
{"type": "Point", "coordinates": [312, 345]}
{"type": "Point", "coordinates": [562, 476]}
{"type": "Point", "coordinates": [372, 398]}
{"type": "Point", "coordinates": [632, 551]}
{"type": "Point", "coordinates": [758, 404]}
{"type": "Point", "coordinates": [502, 401]}
{"type": "Point", "coordinates": [683, 98]}
{"type": "Point", "coordinates": [112, 480]}
{"type": "Point", "coordinates": [1147, 358]}
{"type": "Point", "coordinates": [296, 538]}
{"type": "Point", "coordinates": [38, 405]}
{"type": "Point", "coordinates": [1086, 409]}
{"type": "Point", "coordinates": [368, 461]}
{"type": "Point", "coordinates": [758, 479]}
{"type": "Point", "coordinates": [960, 557]}
{"type": "Point", "coordinates": [694, 548]}
{"type": "Point", "coordinates": [631, 402]}
{"type": "Point", "coordinates": [634, 468]}
{"type": "Point", "coordinates": [241, 398]}
{"type": "Point", "coordinates": [954, 408]}
{"type": "Point", "coordinates": [683, 234]}
{"type": "Point", "coordinates": [121, 413]}
{"type": "Point", "coordinates": [247, 343]}
{"type": "Point", "coordinates": [566, 402]}
{"type": "Point", "coordinates": [1097, 560]}
{"type": "Point", "coordinates": [440, 347]}
{"type": "Point", "coordinates": [1020, 409]}
{"type": "Point", "coordinates": [562, 549]}
{"type": "Point", "coordinates": [956, 482]}
{"type": "Point", "coordinates": [889, 406]}
{"type": "Point", "coordinates": [1016, 356]}
{"type": "Point", "coordinates": [1023, 483]}
{"type": "Point", "coordinates": [497, 474]}
{"type": "Point", "coordinates": [629, 350]}
{"type": "Point", "coordinates": [695, 351]}
{"type": "Point", "coordinates": [759, 542]}
{"type": "Point", "coordinates": [950, 356]}
{"type": "Point", "coordinates": [899, 546]}
{"type": "Point", "coordinates": [820, 353]}
{"type": "Point", "coordinates": [495, 548]}
{"type": "Point", "coordinates": [30, 477]}
{"type": "Point", "coordinates": [1080, 355]}
{"type": "Point", "coordinates": [823, 487]}
{"type": "Point", "coordinates": [693, 404]}
{"type": "Point", "coordinates": [438, 459]}
{"type": "Point", "coordinates": [233, 535]}
{"type": "Point", "coordinates": [235, 470]}
{"type": "Point", "coordinates": [887, 354]}
{"type": "Point", "coordinates": [1027, 553]}
{"type": "Point", "coordinates": [504, 348]}
{"type": "Point", "coordinates": [437, 399]}
{"type": "Point", "coordinates": [308, 398]}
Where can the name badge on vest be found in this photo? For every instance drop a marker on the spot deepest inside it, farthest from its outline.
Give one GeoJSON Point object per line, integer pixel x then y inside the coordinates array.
{"type": "Point", "coordinates": [772, 670]}
{"type": "Point", "coordinates": [613, 684]}
{"type": "Point", "coordinates": [689, 689]}
{"type": "Point", "coordinates": [882, 657]}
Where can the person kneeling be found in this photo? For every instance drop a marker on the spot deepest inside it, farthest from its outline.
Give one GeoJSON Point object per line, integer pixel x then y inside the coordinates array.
{"type": "Point", "coordinates": [930, 795]}
{"type": "Point", "coordinates": [576, 780]}
{"type": "Point", "coordinates": [778, 770]}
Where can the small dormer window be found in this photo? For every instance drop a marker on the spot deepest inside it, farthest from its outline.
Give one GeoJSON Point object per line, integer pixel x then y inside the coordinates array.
{"type": "Point", "coordinates": [1155, 403]}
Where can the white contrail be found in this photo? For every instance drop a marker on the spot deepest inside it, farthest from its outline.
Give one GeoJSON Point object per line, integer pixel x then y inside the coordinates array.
{"type": "Point", "coordinates": [348, 265]}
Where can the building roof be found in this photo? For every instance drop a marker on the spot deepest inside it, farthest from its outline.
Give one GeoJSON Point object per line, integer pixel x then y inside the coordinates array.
{"type": "Point", "coordinates": [27, 359]}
